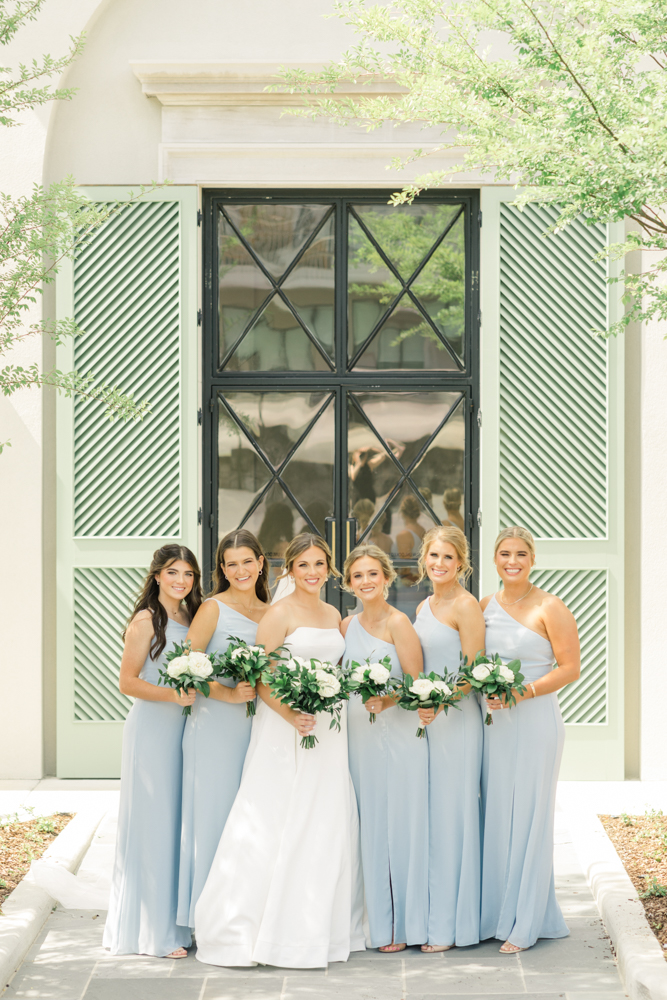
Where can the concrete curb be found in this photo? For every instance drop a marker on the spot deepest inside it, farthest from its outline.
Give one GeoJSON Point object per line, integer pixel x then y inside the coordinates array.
{"type": "Point", "coordinates": [26, 909]}
{"type": "Point", "coordinates": [641, 960]}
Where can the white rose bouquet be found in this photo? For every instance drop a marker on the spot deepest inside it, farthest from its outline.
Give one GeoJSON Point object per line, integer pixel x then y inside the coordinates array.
{"type": "Point", "coordinates": [371, 680]}
{"type": "Point", "coordinates": [309, 686]}
{"type": "Point", "coordinates": [427, 691]}
{"type": "Point", "coordinates": [493, 679]}
{"type": "Point", "coordinates": [187, 670]}
{"type": "Point", "coordinates": [243, 662]}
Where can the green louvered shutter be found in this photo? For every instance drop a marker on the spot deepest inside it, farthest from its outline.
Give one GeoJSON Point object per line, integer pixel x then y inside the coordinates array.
{"type": "Point", "coordinates": [124, 488]}
{"type": "Point", "coordinates": [552, 446]}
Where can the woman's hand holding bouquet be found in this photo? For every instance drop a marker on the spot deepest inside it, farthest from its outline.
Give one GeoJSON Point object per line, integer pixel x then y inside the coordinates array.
{"type": "Point", "coordinates": [370, 680]}
{"type": "Point", "coordinates": [187, 670]}
{"type": "Point", "coordinates": [245, 664]}
{"type": "Point", "coordinates": [308, 686]}
{"type": "Point", "coordinates": [428, 691]}
{"type": "Point", "coordinates": [492, 678]}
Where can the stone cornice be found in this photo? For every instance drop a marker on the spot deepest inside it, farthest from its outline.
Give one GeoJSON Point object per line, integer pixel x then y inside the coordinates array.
{"type": "Point", "coordinates": [233, 84]}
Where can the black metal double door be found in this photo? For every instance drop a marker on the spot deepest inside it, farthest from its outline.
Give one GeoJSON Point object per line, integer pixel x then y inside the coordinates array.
{"type": "Point", "coordinates": [340, 364]}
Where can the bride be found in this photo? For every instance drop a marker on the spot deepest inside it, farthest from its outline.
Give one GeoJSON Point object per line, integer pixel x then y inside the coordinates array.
{"type": "Point", "coordinates": [285, 885]}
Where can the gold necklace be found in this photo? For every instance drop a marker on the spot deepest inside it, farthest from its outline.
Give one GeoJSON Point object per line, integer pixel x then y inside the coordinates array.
{"type": "Point", "coordinates": [518, 598]}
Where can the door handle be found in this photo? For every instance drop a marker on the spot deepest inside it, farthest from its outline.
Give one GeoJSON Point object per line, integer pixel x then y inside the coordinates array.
{"type": "Point", "coordinates": [330, 534]}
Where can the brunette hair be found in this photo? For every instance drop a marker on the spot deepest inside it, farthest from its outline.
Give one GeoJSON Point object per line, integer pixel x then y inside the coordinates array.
{"type": "Point", "coordinates": [148, 599]}
{"type": "Point", "coordinates": [453, 536]}
{"type": "Point", "coordinates": [515, 531]}
{"type": "Point", "coordinates": [298, 545]}
{"type": "Point", "coordinates": [236, 540]}
{"type": "Point", "coordinates": [410, 507]}
{"type": "Point", "coordinates": [373, 552]}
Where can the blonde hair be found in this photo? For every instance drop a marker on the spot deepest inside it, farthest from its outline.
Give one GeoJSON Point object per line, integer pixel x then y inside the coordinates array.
{"type": "Point", "coordinates": [373, 552]}
{"type": "Point", "coordinates": [515, 531]}
{"type": "Point", "coordinates": [300, 544]}
{"type": "Point", "coordinates": [363, 510]}
{"type": "Point", "coordinates": [454, 537]}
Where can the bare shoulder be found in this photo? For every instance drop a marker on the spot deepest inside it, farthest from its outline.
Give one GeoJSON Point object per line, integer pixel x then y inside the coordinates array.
{"type": "Point", "coordinates": [208, 609]}
{"type": "Point", "coordinates": [399, 624]}
{"type": "Point", "coordinates": [468, 607]}
{"type": "Point", "coordinates": [333, 615]}
{"type": "Point", "coordinates": [141, 626]}
{"type": "Point", "coordinates": [276, 612]}
{"type": "Point", "coordinates": [484, 603]}
{"type": "Point", "coordinates": [345, 624]}
{"type": "Point", "coordinates": [553, 608]}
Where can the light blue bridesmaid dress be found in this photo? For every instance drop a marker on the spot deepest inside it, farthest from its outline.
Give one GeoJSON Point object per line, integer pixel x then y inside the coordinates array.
{"type": "Point", "coordinates": [455, 765]}
{"type": "Point", "coordinates": [522, 753]}
{"type": "Point", "coordinates": [144, 889]}
{"type": "Point", "coordinates": [215, 742]}
{"type": "Point", "coordinates": [389, 768]}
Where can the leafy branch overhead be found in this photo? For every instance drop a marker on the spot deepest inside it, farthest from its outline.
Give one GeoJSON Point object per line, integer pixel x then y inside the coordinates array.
{"type": "Point", "coordinates": [40, 230]}
{"type": "Point", "coordinates": [566, 100]}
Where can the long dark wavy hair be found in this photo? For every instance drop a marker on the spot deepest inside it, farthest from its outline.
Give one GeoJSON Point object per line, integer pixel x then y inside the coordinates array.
{"type": "Point", "coordinates": [236, 540]}
{"type": "Point", "coordinates": [148, 599]}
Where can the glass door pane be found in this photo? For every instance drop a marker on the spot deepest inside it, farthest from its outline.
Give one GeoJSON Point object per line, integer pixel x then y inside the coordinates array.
{"type": "Point", "coordinates": [406, 473]}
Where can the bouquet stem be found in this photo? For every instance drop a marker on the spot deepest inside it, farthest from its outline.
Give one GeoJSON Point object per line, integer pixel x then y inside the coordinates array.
{"type": "Point", "coordinates": [308, 742]}
{"type": "Point", "coordinates": [250, 709]}
{"type": "Point", "coordinates": [372, 717]}
{"type": "Point", "coordinates": [421, 732]}
{"type": "Point", "coordinates": [488, 721]}
{"type": "Point", "coordinates": [187, 710]}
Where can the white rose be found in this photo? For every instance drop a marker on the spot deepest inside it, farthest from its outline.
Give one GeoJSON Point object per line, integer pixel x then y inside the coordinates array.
{"type": "Point", "coordinates": [178, 666]}
{"type": "Point", "coordinates": [357, 674]}
{"type": "Point", "coordinates": [442, 687]}
{"type": "Point", "coordinates": [238, 652]}
{"type": "Point", "coordinates": [255, 649]}
{"type": "Point", "coordinates": [200, 665]}
{"type": "Point", "coordinates": [481, 672]}
{"type": "Point", "coordinates": [505, 673]}
{"type": "Point", "coordinates": [422, 687]}
{"type": "Point", "coordinates": [298, 661]}
{"type": "Point", "coordinates": [379, 674]}
{"type": "Point", "coordinates": [327, 683]}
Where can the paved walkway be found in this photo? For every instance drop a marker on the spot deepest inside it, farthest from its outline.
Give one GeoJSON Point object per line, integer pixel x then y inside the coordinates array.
{"type": "Point", "coordinates": [68, 962]}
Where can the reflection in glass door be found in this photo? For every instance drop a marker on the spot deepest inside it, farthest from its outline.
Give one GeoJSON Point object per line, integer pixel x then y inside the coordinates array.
{"type": "Point", "coordinates": [340, 369]}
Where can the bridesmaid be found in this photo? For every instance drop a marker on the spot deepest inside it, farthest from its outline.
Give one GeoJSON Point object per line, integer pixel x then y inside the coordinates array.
{"type": "Point", "coordinates": [389, 765]}
{"type": "Point", "coordinates": [144, 890]}
{"type": "Point", "coordinates": [217, 732]}
{"type": "Point", "coordinates": [522, 752]}
{"type": "Point", "coordinates": [450, 623]}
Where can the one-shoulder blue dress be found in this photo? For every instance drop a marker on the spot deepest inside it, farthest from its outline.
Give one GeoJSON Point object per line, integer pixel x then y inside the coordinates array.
{"type": "Point", "coordinates": [522, 754]}
{"type": "Point", "coordinates": [215, 743]}
{"type": "Point", "coordinates": [389, 767]}
{"type": "Point", "coordinates": [455, 765]}
{"type": "Point", "coordinates": [144, 890]}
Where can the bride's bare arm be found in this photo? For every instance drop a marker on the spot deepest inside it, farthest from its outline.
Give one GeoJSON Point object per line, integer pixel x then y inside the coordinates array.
{"type": "Point", "coordinates": [273, 629]}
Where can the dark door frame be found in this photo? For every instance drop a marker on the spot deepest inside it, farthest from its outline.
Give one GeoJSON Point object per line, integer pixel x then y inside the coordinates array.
{"type": "Point", "coordinates": [339, 380]}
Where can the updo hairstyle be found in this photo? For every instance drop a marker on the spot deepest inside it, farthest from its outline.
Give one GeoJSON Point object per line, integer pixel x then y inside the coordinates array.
{"type": "Point", "coordinates": [298, 546]}
{"type": "Point", "coordinates": [454, 536]}
{"type": "Point", "coordinates": [373, 552]}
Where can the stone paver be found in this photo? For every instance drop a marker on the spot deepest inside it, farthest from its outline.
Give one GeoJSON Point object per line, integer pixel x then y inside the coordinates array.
{"type": "Point", "coordinates": [68, 962]}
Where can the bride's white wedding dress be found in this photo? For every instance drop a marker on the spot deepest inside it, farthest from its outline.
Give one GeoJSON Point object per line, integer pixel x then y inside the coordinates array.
{"type": "Point", "coordinates": [285, 886]}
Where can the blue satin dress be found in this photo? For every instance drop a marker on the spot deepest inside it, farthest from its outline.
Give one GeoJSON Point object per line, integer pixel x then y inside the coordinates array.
{"type": "Point", "coordinates": [144, 890]}
{"type": "Point", "coordinates": [215, 743]}
{"type": "Point", "coordinates": [522, 754]}
{"type": "Point", "coordinates": [455, 765]}
{"type": "Point", "coordinates": [389, 767]}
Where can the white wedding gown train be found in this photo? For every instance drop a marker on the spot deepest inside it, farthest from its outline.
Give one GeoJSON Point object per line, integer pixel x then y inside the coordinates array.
{"type": "Point", "coordinates": [285, 886]}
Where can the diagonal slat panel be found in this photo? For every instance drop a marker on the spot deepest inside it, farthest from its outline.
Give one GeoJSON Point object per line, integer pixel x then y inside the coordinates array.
{"type": "Point", "coordinates": [103, 599]}
{"type": "Point", "coordinates": [585, 593]}
{"type": "Point", "coordinates": [127, 299]}
{"type": "Point", "coordinates": [553, 376]}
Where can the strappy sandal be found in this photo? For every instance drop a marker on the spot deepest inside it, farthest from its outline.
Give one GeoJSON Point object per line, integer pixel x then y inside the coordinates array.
{"type": "Point", "coordinates": [511, 949]}
{"type": "Point", "coordinates": [390, 949]}
{"type": "Point", "coordinates": [177, 953]}
{"type": "Point", "coordinates": [430, 949]}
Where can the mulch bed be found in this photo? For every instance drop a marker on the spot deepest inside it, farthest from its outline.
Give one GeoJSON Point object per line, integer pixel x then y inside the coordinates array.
{"type": "Point", "coordinates": [641, 844]}
{"type": "Point", "coordinates": [22, 842]}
